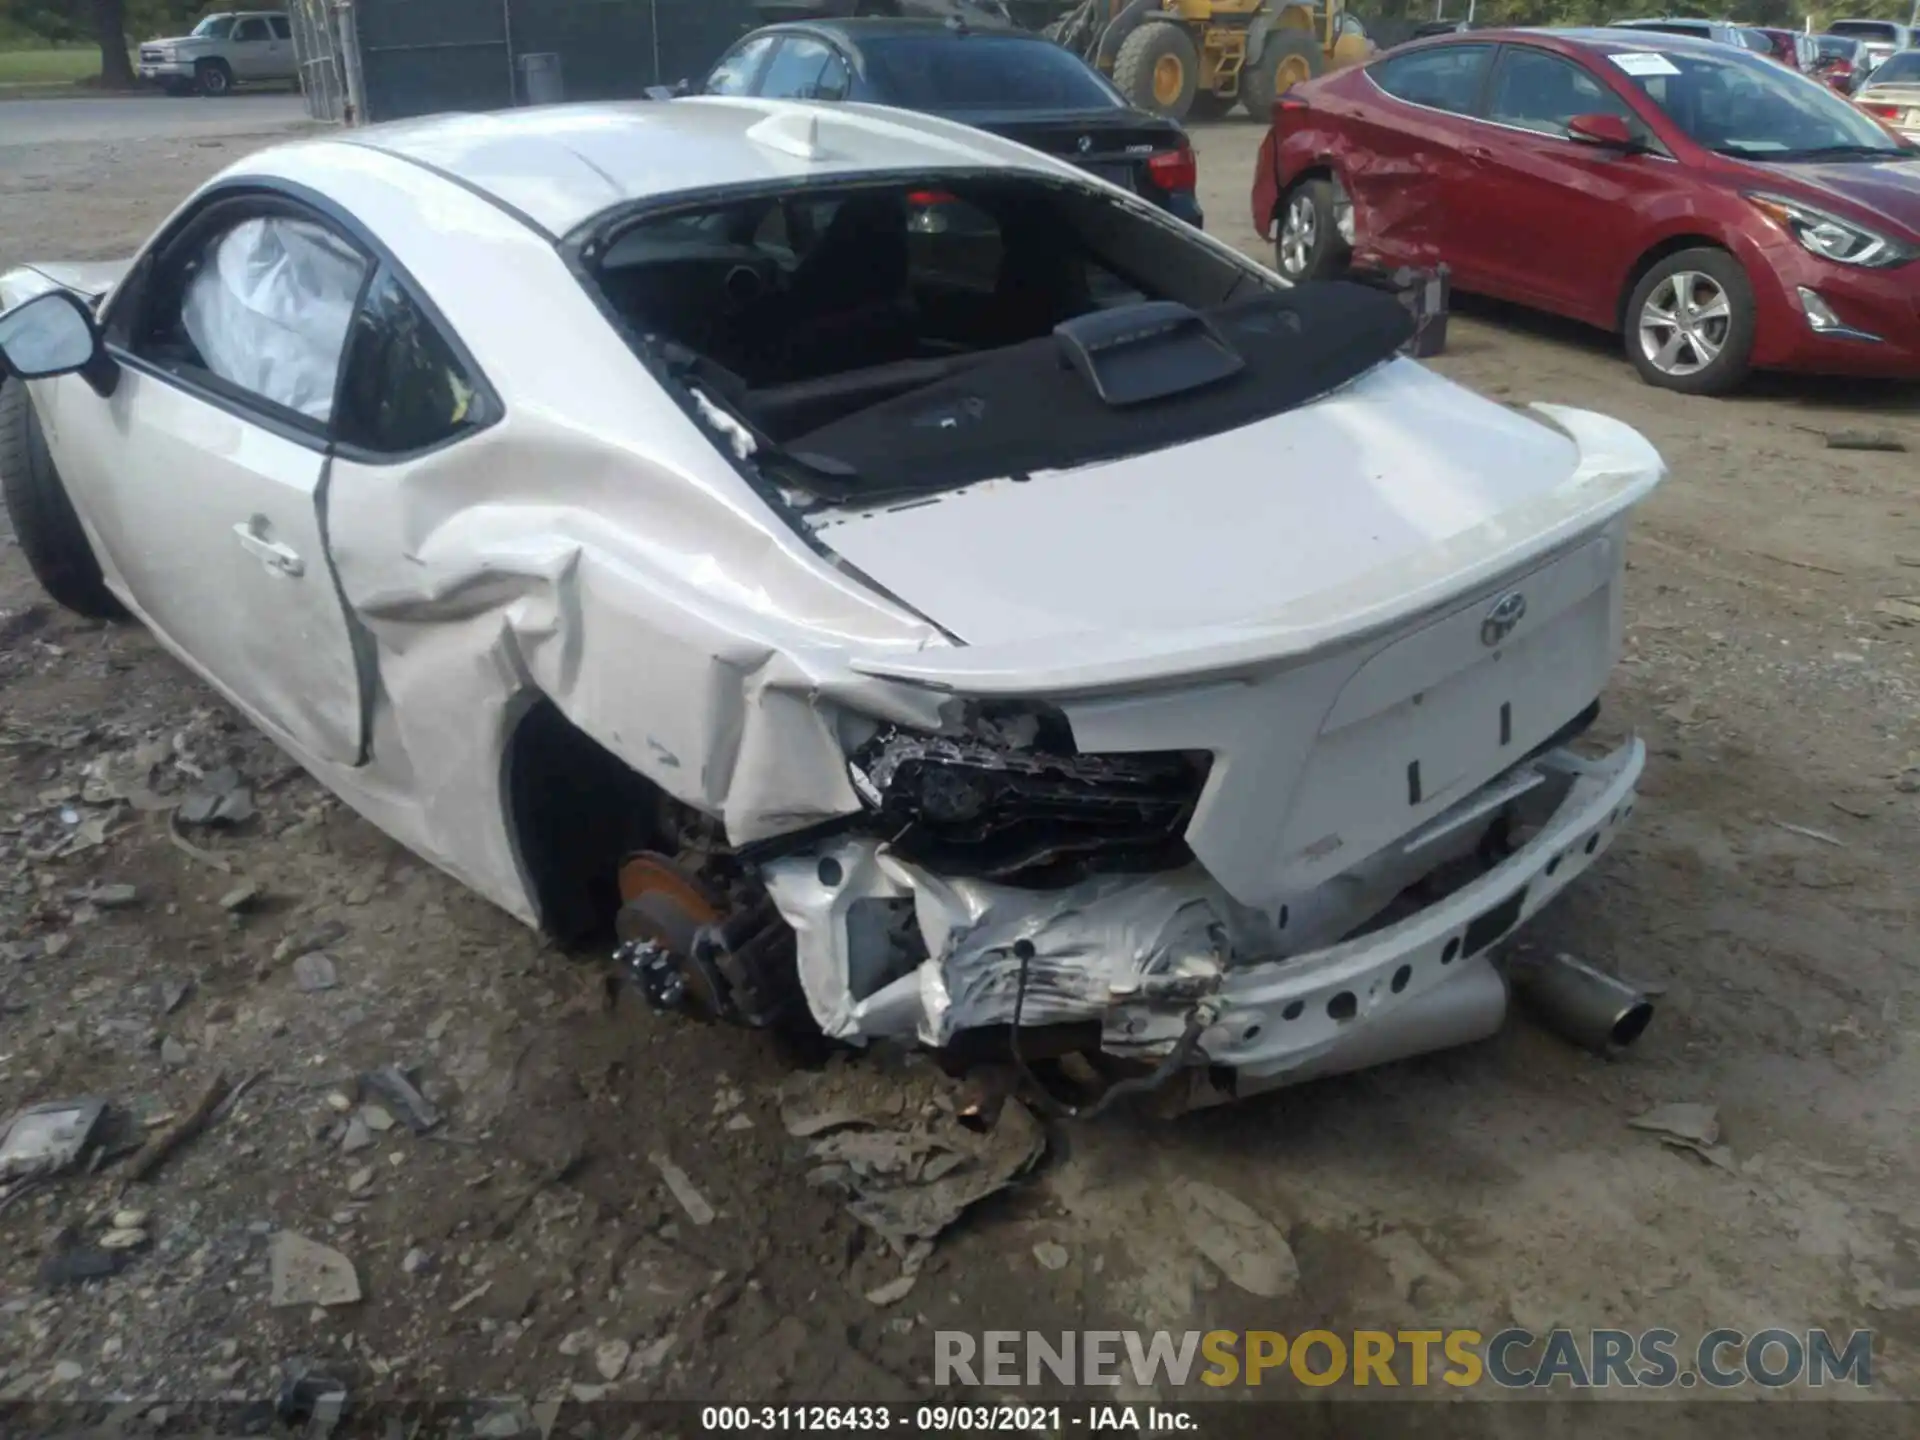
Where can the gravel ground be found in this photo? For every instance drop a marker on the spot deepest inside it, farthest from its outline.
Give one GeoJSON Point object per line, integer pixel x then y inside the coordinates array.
{"type": "Point", "coordinates": [552, 1230]}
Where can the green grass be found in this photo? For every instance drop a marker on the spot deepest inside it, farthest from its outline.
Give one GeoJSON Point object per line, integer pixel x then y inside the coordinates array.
{"type": "Point", "coordinates": [68, 65]}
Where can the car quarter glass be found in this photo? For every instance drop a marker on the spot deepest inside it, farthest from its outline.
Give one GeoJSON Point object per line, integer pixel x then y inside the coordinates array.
{"type": "Point", "coordinates": [1446, 77]}
{"type": "Point", "coordinates": [404, 388]}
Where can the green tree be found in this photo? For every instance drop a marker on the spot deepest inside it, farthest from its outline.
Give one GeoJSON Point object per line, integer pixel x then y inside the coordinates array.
{"type": "Point", "coordinates": [106, 22]}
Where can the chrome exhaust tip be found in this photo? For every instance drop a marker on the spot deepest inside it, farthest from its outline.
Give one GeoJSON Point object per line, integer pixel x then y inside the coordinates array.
{"type": "Point", "coordinates": [1587, 1006]}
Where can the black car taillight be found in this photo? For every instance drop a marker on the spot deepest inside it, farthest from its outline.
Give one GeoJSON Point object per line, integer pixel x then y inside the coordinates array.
{"type": "Point", "coordinates": [1174, 169]}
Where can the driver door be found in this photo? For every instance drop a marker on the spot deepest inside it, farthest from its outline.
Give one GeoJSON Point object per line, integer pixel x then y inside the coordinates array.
{"type": "Point", "coordinates": [247, 47]}
{"type": "Point", "coordinates": [203, 475]}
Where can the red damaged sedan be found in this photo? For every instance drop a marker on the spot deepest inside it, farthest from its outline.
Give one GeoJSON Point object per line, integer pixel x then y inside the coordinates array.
{"type": "Point", "coordinates": [1716, 210]}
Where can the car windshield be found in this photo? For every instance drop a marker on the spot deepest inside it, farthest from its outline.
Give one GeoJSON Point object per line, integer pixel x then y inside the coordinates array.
{"type": "Point", "coordinates": [1875, 30]}
{"type": "Point", "coordinates": [1901, 69]}
{"type": "Point", "coordinates": [983, 72]}
{"type": "Point", "coordinates": [912, 335]}
{"type": "Point", "coordinates": [1742, 105]}
{"type": "Point", "coordinates": [214, 27]}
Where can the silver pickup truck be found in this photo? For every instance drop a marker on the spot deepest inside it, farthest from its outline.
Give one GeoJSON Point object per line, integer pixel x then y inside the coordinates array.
{"type": "Point", "coordinates": [236, 47]}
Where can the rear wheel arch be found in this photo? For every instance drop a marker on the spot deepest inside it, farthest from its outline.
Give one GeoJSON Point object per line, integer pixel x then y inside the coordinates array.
{"type": "Point", "coordinates": [574, 811]}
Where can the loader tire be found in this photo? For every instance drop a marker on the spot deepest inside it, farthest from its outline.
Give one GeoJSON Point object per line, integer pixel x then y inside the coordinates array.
{"type": "Point", "coordinates": [43, 519]}
{"type": "Point", "coordinates": [1158, 69]}
{"type": "Point", "coordinates": [1287, 58]}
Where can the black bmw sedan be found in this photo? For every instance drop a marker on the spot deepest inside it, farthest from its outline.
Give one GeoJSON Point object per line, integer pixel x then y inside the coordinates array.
{"type": "Point", "coordinates": [1014, 84]}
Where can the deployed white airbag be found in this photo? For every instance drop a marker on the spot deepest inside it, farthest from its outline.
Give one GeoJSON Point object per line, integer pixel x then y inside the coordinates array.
{"type": "Point", "coordinates": [269, 309]}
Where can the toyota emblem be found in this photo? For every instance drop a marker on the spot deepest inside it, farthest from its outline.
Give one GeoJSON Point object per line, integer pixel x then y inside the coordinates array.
{"type": "Point", "coordinates": [1086, 144]}
{"type": "Point", "coordinates": [1502, 617]}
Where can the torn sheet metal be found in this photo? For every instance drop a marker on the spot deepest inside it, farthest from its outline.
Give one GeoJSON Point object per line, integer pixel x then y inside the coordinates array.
{"type": "Point", "coordinates": [1138, 953]}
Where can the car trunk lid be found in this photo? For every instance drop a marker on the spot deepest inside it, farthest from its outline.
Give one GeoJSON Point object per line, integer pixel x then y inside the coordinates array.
{"type": "Point", "coordinates": [1113, 146]}
{"type": "Point", "coordinates": [1310, 517]}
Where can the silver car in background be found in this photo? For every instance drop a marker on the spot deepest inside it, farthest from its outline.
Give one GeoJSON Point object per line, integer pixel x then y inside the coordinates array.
{"type": "Point", "coordinates": [1891, 93]}
{"type": "Point", "coordinates": [234, 47]}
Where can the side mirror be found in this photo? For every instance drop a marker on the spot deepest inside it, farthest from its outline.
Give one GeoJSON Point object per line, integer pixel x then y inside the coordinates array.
{"type": "Point", "coordinates": [55, 334]}
{"type": "Point", "coordinates": [1605, 130]}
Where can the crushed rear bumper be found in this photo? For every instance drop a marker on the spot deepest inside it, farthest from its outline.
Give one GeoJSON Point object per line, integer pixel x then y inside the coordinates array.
{"type": "Point", "coordinates": [1147, 957]}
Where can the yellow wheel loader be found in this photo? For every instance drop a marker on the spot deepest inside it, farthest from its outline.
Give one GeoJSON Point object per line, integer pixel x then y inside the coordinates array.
{"type": "Point", "coordinates": [1201, 57]}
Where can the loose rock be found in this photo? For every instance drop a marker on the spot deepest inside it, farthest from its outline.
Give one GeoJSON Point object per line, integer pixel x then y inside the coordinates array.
{"type": "Point", "coordinates": [377, 1118]}
{"type": "Point", "coordinates": [610, 1359]}
{"type": "Point", "coordinates": [1053, 1256]}
{"type": "Point", "coordinates": [1248, 1250]}
{"type": "Point", "coordinates": [305, 1272]}
{"type": "Point", "coordinates": [690, 1198]}
{"type": "Point", "coordinates": [357, 1138]}
{"type": "Point", "coordinates": [241, 896]}
{"type": "Point", "coordinates": [130, 1238]}
{"type": "Point", "coordinates": [314, 937]}
{"type": "Point", "coordinates": [114, 897]}
{"type": "Point", "coordinates": [414, 1261]}
{"type": "Point", "coordinates": [315, 972]}
{"type": "Point", "coordinates": [172, 1053]}
{"type": "Point", "coordinates": [360, 1180]}
{"type": "Point", "coordinates": [391, 1084]}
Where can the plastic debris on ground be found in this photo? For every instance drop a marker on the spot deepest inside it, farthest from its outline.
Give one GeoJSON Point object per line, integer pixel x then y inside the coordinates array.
{"type": "Point", "coordinates": [891, 1138]}
{"type": "Point", "coordinates": [46, 1139]}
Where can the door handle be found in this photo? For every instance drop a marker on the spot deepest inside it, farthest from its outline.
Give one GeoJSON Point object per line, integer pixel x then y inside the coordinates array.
{"type": "Point", "coordinates": [281, 559]}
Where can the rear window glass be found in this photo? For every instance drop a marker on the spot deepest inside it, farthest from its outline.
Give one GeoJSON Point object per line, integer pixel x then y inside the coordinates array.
{"type": "Point", "coordinates": [983, 72]}
{"type": "Point", "coordinates": [1866, 30]}
{"type": "Point", "coordinates": [1901, 69]}
{"type": "Point", "coordinates": [901, 337]}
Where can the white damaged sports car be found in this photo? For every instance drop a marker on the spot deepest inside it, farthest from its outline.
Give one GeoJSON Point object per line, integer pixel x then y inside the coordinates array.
{"type": "Point", "coordinates": [887, 579]}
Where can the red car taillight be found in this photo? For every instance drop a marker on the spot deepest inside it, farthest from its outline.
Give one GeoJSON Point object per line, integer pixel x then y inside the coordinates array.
{"type": "Point", "coordinates": [1174, 169]}
{"type": "Point", "coordinates": [1885, 112]}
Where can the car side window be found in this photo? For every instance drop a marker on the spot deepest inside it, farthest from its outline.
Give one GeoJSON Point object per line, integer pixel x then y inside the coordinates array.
{"type": "Point", "coordinates": [405, 388]}
{"type": "Point", "coordinates": [260, 307]}
{"type": "Point", "coordinates": [282, 27]}
{"type": "Point", "coordinates": [1446, 77]}
{"type": "Point", "coordinates": [253, 28]}
{"type": "Point", "coordinates": [734, 74]}
{"type": "Point", "coordinates": [796, 69]}
{"type": "Point", "coordinates": [1537, 91]}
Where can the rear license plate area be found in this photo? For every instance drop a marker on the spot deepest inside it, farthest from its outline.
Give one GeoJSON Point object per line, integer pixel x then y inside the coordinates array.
{"type": "Point", "coordinates": [1121, 175]}
{"type": "Point", "coordinates": [1495, 922]}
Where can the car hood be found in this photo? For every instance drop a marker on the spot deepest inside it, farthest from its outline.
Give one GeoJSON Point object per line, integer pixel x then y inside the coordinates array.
{"type": "Point", "coordinates": [1340, 516]}
{"type": "Point", "coordinates": [1890, 189]}
{"type": "Point", "coordinates": [176, 40]}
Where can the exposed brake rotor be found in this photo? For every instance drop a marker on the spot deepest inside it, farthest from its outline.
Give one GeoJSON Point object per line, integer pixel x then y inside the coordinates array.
{"type": "Point", "coordinates": [690, 950]}
{"type": "Point", "coordinates": [663, 909]}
